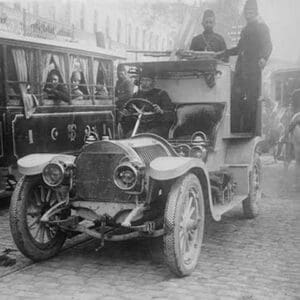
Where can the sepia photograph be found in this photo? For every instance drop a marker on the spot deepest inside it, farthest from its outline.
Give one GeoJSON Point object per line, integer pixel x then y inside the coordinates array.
{"type": "Point", "coordinates": [150, 149]}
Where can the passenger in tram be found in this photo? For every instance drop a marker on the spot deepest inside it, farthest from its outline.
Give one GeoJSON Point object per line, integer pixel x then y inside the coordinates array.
{"type": "Point", "coordinates": [101, 91]}
{"type": "Point", "coordinates": [76, 92]}
{"type": "Point", "coordinates": [100, 88]}
{"type": "Point", "coordinates": [55, 89]}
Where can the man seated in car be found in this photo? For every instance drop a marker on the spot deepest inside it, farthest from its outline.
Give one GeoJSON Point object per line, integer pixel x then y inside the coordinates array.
{"type": "Point", "coordinates": [56, 90]}
{"type": "Point", "coordinates": [163, 107]}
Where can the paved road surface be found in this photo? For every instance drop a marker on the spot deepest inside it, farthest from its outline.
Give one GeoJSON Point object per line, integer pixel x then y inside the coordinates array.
{"type": "Point", "coordinates": [240, 259]}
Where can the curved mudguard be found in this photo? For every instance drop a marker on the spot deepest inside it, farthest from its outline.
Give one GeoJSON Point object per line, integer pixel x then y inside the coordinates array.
{"type": "Point", "coordinates": [34, 164]}
{"type": "Point", "coordinates": [241, 151]}
{"type": "Point", "coordinates": [167, 168]}
{"type": "Point", "coordinates": [239, 160]}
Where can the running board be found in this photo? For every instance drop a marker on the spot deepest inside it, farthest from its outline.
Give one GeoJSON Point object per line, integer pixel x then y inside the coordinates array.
{"type": "Point", "coordinates": [220, 209]}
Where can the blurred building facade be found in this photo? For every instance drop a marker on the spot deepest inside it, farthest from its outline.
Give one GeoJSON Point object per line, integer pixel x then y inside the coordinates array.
{"type": "Point", "coordinates": [118, 25]}
{"type": "Point", "coordinates": [109, 24]}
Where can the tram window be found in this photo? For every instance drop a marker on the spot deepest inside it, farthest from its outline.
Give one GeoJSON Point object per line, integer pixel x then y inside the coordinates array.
{"type": "Point", "coordinates": [80, 80]}
{"type": "Point", "coordinates": [22, 78]}
{"type": "Point", "coordinates": [14, 95]}
{"type": "Point", "coordinates": [1, 78]}
{"type": "Point", "coordinates": [54, 77]}
{"type": "Point", "coordinates": [103, 84]}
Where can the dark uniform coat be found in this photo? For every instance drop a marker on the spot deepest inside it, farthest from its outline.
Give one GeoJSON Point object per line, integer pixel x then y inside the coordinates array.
{"type": "Point", "coordinates": [208, 41]}
{"type": "Point", "coordinates": [254, 44]}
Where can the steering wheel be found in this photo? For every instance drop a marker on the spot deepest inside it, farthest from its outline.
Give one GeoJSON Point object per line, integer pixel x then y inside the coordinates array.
{"type": "Point", "coordinates": [140, 106]}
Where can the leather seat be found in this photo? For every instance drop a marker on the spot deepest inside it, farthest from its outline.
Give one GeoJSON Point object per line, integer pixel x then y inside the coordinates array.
{"type": "Point", "coordinates": [196, 117]}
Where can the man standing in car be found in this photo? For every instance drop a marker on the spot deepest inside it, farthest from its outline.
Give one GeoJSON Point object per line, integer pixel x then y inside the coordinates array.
{"type": "Point", "coordinates": [253, 50]}
{"type": "Point", "coordinates": [208, 40]}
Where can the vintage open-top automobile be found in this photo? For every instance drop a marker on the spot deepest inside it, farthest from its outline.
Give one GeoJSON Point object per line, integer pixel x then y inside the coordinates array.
{"type": "Point", "coordinates": [145, 185]}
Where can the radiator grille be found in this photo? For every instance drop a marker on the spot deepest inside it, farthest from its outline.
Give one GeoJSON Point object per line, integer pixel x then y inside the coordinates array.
{"type": "Point", "coordinates": [94, 177]}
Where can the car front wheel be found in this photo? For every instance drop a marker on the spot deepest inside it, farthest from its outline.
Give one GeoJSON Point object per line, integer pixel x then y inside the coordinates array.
{"type": "Point", "coordinates": [184, 223]}
{"type": "Point", "coordinates": [30, 200]}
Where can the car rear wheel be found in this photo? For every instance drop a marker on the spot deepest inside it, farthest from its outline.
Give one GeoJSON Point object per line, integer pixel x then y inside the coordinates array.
{"type": "Point", "coordinates": [30, 200]}
{"type": "Point", "coordinates": [250, 205]}
{"type": "Point", "coordinates": [184, 223]}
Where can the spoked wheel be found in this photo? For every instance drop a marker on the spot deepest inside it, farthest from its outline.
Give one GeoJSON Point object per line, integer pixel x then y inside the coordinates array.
{"type": "Point", "coordinates": [30, 200]}
{"type": "Point", "coordinates": [250, 205]}
{"type": "Point", "coordinates": [184, 223]}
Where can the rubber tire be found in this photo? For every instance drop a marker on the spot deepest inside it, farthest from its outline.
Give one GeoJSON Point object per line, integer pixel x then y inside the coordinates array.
{"type": "Point", "coordinates": [250, 205]}
{"type": "Point", "coordinates": [18, 224]}
{"type": "Point", "coordinates": [172, 216]}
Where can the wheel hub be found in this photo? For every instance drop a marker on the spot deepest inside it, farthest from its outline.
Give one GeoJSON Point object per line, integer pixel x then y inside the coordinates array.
{"type": "Point", "coordinates": [42, 199]}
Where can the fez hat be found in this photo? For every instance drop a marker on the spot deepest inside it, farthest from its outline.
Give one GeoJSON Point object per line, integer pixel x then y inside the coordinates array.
{"type": "Point", "coordinates": [208, 13]}
{"type": "Point", "coordinates": [251, 4]}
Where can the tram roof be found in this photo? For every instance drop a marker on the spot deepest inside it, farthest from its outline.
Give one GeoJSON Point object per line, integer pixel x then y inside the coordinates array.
{"type": "Point", "coordinates": [60, 45]}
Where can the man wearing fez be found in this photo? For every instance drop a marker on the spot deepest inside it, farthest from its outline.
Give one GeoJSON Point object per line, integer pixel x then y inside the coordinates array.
{"type": "Point", "coordinates": [208, 40]}
{"type": "Point", "coordinates": [253, 51]}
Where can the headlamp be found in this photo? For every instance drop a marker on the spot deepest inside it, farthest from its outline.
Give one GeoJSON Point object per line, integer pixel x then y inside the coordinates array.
{"type": "Point", "coordinates": [126, 176]}
{"type": "Point", "coordinates": [53, 174]}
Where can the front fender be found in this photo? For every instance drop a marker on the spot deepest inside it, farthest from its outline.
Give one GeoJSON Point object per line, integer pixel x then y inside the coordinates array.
{"type": "Point", "coordinates": [168, 168]}
{"type": "Point", "coordinates": [241, 151]}
{"type": "Point", "coordinates": [34, 164]}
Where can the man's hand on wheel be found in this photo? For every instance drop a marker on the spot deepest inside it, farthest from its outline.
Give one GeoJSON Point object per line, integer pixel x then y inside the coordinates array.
{"type": "Point", "coordinates": [157, 109]}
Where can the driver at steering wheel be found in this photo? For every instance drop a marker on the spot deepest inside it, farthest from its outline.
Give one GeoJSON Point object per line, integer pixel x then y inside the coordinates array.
{"type": "Point", "coordinates": [163, 107]}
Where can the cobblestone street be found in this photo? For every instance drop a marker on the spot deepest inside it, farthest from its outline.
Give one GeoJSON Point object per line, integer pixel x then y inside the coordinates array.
{"type": "Point", "coordinates": [240, 259]}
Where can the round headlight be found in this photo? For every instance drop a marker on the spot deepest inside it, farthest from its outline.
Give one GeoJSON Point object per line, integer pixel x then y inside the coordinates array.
{"type": "Point", "coordinates": [196, 152]}
{"type": "Point", "coordinates": [125, 176]}
{"type": "Point", "coordinates": [53, 174]}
